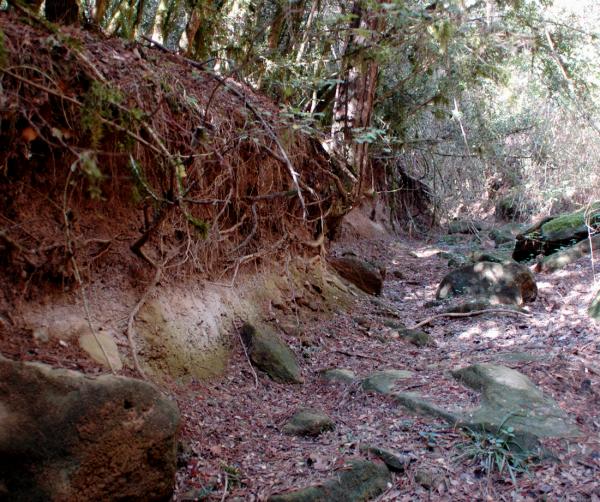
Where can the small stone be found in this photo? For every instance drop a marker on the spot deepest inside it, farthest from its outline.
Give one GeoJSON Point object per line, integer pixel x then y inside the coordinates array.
{"type": "Point", "coordinates": [383, 381]}
{"type": "Point", "coordinates": [395, 461]}
{"type": "Point", "coordinates": [341, 375]}
{"type": "Point", "coordinates": [426, 479]}
{"type": "Point", "coordinates": [90, 344]}
{"type": "Point", "coordinates": [308, 422]}
{"type": "Point", "coordinates": [418, 338]}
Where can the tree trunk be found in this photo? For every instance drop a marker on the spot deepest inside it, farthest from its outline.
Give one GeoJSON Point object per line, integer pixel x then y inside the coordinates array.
{"type": "Point", "coordinates": [62, 11]}
{"type": "Point", "coordinates": [354, 98]}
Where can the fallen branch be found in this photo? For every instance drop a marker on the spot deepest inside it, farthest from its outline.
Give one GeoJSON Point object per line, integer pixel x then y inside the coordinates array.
{"type": "Point", "coordinates": [248, 358]}
{"type": "Point", "coordinates": [359, 354]}
{"type": "Point", "coordinates": [468, 314]}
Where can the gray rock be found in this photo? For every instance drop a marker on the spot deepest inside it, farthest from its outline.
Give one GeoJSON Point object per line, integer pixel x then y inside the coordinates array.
{"type": "Point", "coordinates": [417, 337]}
{"type": "Point", "coordinates": [341, 375]}
{"type": "Point", "coordinates": [427, 479]}
{"type": "Point", "coordinates": [553, 233]}
{"type": "Point", "coordinates": [383, 381]}
{"type": "Point", "coordinates": [66, 436]}
{"type": "Point", "coordinates": [308, 422]}
{"type": "Point", "coordinates": [362, 481]}
{"type": "Point", "coordinates": [569, 255]}
{"type": "Point", "coordinates": [465, 227]}
{"type": "Point", "coordinates": [507, 282]}
{"type": "Point", "coordinates": [395, 461]}
{"type": "Point", "coordinates": [510, 399]}
{"type": "Point", "coordinates": [271, 355]}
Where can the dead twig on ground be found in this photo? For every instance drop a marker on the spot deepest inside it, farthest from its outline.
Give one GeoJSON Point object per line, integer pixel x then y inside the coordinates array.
{"type": "Point", "coordinates": [248, 358]}
{"type": "Point", "coordinates": [359, 354]}
{"type": "Point", "coordinates": [468, 314]}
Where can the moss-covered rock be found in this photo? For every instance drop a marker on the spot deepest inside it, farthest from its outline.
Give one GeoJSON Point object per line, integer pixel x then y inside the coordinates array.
{"type": "Point", "coordinates": [361, 481]}
{"type": "Point", "coordinates": [505, 234]}
{"type": "Point", "coordinates": [554, 233]}
{"type": "Point", "coordinates": [465, 226]}
{"type": "Point", "coordinates": [340, 375]}
{"type": "Point", "coordinates": [308, 422]}
{"type": "Point", "coordinates": [569, 255]}
{"type": "Point", "coordinates": [417, 337]}
{"type": "Point", "coordinates": [396, 462]}
{"type": "Point", "coordinates": [383, 381]}
{"type": "Point", "coordinates": [67, 436]}
{"type": "Point", "coordinates": [271, 355]}
{"type": "Point", "coordinates": [510, 399]}
{"type": "Point", "coordinates": [506, 282]}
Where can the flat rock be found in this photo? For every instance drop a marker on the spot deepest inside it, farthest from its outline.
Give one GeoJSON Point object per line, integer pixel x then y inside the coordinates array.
{"type": "Point", "coordinates": [362, 274]}
{"type": "Point", "coordinates": [341, 375]}
{"type": "Point", "coordinates": [270, 354]}
{"type": "Point", "coordinates": [510, 399]}
{"type": "Point", "coordinates": [94, 345]}
{"type": "Point", "coordinates": [308, 422]}
{"type": "Point", "coordinates": [508, 282]}
{"type": "Point", "coordinates": [396, 462]}
{"type": "Point", "coordinates": [363, 480]}
{"type": "Point", "coordinates": [383, 381]}
{"type": "Point", "coordinates": [417, 337]}
{"type": "Point", "coordinates": [569, 255]}
{"type": "Point", "coordinates": [67, 436]}
{"type": "Point", "coordinates": [465, 227]}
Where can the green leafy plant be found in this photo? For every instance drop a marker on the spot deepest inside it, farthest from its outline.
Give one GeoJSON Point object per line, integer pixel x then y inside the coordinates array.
{"type": "Point", "coordinates": [497, 452]}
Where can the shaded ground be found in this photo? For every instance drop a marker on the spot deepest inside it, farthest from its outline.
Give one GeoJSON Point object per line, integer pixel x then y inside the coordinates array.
{"type": "Point", "coordinates": [233, 426]}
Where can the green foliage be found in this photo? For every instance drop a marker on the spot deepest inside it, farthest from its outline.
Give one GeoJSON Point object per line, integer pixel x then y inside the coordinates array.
{"type": "Point", "coordinates": [99, 103]}
{"type": "Point", "coordinates": [3, 51]}
{"type": "Point", "coordinates": [498, 452]}
{"type": "Point", "coordinates": [87, 165]}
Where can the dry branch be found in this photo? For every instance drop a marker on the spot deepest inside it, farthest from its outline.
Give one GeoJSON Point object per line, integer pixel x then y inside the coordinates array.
{"type": "Point", "coordinates": [468, 314]}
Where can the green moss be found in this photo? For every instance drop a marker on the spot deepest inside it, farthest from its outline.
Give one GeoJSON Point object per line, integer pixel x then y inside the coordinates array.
{"type": "Point", "coordinates": [572, 221]}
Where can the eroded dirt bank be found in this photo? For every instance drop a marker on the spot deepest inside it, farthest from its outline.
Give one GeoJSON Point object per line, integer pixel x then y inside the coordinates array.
{"type": "Point", "coordinates": [234, 424]}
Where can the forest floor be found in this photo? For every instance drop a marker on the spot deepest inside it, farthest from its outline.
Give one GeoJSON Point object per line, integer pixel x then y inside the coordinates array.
{"type": "Point", "coordinates": [233, 425]}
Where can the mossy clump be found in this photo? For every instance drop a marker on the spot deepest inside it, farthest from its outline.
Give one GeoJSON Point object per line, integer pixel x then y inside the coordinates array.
{"type": "Point", "coordinates": [570, 223]}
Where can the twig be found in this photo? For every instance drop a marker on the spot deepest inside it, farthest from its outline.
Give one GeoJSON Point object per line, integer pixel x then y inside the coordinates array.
{"type": "Point", "coordinates": [248, 358]}
{"type": "Point", "coordinates": [359, 354]}
{"type": "Point", "coordinates": [225, 488]}
{"type": "Point", "coordinates": [131, 319]}
{"type": "Point", "coordinates": [469, 314]}
{"type": "Point", "coordinates": [71, 255]}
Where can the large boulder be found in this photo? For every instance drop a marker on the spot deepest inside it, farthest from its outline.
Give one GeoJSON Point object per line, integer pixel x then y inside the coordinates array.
{"type": "Point", "coordinates": [508, 283]}
{"type": "Point", "coordinates": [510, 399]}
{"type": "Point", "coordinates": [362, 480]}
{"type": "Point", "coordinates": [67, 436]}
{"type": "Point", "coordinates": [360, 273]}
{"type": "Point", "coordinates": [554, 233]}
{"type": "Point", "coordinates": [270, 354]}
{"type": "Point", "coordinates": [569, 255]}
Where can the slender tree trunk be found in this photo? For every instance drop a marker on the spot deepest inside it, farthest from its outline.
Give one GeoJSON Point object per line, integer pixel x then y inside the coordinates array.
{"type": "Point", "coordinates": [354, 98]}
